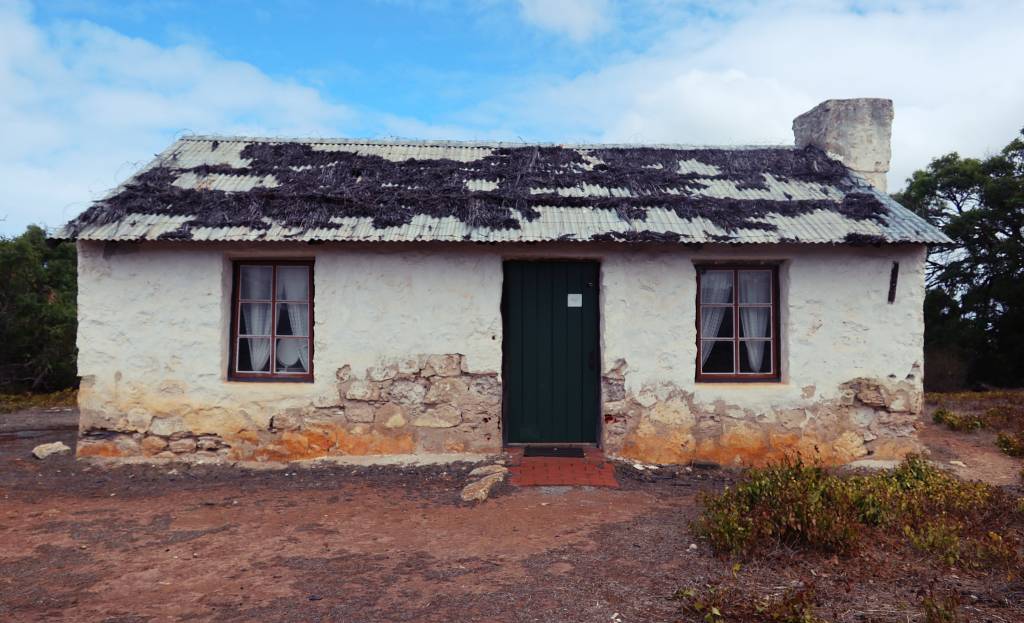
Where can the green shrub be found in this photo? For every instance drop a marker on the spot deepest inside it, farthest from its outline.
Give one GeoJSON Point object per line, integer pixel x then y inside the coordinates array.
{"type": "Point", "coordinates": [1011, 443]}
{"type": "Point", "coordinates": [790, 503]}
{"type": "Point", "coordinates": [957, 422]}
{"type": "Point", "coordinates": [808, 507]}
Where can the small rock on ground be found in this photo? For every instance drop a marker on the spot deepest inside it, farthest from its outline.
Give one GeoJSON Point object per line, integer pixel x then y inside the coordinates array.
{"type": "Point", "coordinates": [480, 489]}
{"type": "Point", "coordinates": [487, 470]}
{"type": "Point", "coordinates": [44, 450]}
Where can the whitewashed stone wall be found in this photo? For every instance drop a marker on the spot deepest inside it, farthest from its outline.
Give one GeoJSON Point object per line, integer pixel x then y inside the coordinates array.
{"type": "Point", "coordinates": [153, 349]}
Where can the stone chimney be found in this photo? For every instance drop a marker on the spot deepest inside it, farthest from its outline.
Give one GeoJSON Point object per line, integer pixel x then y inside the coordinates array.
{"type": "Point", "coordinates": [856, 132]}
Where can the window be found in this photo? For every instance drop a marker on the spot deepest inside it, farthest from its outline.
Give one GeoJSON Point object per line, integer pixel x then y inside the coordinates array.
{"type": "Point", "coordinates": [737, 323]}
{"type": "Point", "coordinates": [272, 321]}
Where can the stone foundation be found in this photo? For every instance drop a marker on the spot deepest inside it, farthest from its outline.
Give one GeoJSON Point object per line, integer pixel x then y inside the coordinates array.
{"type": "Point", "coordinates": [432, 404]}
{"type": "Point", "coordinates": [423, 404]}
{"type": "Point", "coordinates": [666, 425]}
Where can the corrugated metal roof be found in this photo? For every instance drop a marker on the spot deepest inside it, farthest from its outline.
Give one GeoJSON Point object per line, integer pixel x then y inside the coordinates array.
{"type": "Point", "coordinates": [193, 157]}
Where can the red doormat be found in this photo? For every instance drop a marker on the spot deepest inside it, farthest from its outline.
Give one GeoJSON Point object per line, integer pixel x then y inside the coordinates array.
{"type": "Point", "coordinates": [593, 470]}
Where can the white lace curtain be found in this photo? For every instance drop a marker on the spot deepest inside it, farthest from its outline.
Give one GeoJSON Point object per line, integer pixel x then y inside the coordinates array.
{"type": "Point", "coordinates": [755, 287]}
{"type": "Point", "coordinates": [715, 287]}
{"type": "Point", "coordinates": [256, 284]}
{"type": "Point", "coordinates": [293, 285]}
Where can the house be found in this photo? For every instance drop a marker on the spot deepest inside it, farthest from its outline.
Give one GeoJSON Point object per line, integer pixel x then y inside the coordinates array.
{"type": "Point", "coordinates": [269, 300]}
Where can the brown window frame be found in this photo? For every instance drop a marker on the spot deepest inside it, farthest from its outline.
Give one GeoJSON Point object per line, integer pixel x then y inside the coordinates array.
{"type": "Point", "coordinates": [775, 342]}
{"type": "Point", "coordinates": [271, 376]}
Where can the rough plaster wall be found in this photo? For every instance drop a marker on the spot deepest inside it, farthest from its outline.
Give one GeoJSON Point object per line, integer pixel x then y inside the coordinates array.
{"type": "Point", "coordinates": [836, 322]}
{"type": "Point", "coordinates": [153, 328]}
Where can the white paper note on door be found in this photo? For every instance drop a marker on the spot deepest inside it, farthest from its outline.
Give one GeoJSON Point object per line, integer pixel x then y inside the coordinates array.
{"type": "Point", "coordinates": [575, 300]}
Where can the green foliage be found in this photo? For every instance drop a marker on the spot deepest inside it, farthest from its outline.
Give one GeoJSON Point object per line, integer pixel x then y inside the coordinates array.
{"type": "Point", "coordinates": [791, 503]}
{"type": "Point", "coordinates": [807, 507]}
{"type": "Point", "coordinates": [37, 312]}
{"type": "Point", "coordinates": [954, 421]}
{"type": "Point", "coordinates": [975, 302]}
{"type": "Point", "coordinates": [1011, 443]}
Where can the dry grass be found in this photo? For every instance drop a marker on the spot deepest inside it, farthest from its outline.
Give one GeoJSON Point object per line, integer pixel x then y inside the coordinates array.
{"type": "Point", "coordinates": [10, 403]}
{"type": "Point", "coordinates": [1000, 411]}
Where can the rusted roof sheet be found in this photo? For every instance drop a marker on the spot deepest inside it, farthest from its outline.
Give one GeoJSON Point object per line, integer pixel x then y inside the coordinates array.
{"type": "Point", "coordinates": [802, 206]}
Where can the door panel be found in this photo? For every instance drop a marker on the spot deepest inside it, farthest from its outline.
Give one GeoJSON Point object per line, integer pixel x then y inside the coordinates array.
{"type": "Point", "coordinates": [551, 352]}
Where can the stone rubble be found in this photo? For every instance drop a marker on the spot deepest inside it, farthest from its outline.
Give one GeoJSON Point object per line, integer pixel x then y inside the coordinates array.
{"type": "Point", "coordinates": [478, 490]}
{"type": "Point", "coordinates": [45, 450]}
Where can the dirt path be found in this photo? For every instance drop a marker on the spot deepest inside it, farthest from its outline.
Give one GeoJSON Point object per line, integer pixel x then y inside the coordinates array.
{"type": "Point", "coordinates": [204, 543]}
{"type": "Point", "coordinates": [143, 543]}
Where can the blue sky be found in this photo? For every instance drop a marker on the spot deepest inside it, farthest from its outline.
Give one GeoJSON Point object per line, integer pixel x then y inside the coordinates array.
{"type": "Point", "coordinates": [90, 90]}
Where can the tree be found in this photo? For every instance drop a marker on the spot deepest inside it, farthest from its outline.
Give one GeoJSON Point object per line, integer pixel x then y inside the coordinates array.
{"type": "Point", "coordinates": [38, 290]}
{"type": "Point", "coordinates": [975, 299]}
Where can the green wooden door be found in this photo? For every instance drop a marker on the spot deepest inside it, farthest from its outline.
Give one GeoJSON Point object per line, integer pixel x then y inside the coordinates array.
{"type": "Point", "coordinates": [551, 352]}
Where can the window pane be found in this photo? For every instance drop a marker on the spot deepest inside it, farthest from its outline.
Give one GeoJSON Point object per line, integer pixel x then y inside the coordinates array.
{"type": "Point", "coordinates": [292, 319]}
{"type": "Point", "coordinates": [293, 283]}
{"type": "Point", "coordinates": [256, 282]}
{"type": "Point", "coordinates": [292, 355]}
{"type": "Point", "coordinates": [254, 319]}
{"type": "Point", "coordinates": [254, 354]}
{"type": "Point", "coordinates": [755, 286]}
{"type": "Point", "coordinates": [717, 356]}
{"type": "Point", "coordinates": [755, 322]}
{"type": "Point", "coordinates": [716, 286]}
{"type": "Point", "coordinates": [756, 356]}
{"type": "Point", "coordinates": [716, 322]}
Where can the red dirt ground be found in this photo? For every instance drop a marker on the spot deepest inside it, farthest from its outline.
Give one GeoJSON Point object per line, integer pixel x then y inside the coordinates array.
{"type": "Point", "coordinates": [171, 543]}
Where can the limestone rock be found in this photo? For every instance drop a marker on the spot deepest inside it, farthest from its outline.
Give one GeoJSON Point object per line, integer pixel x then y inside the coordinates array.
{"type": "Point", "coordinates": [444, 416]}
{"type": "Point", "coordinates": [182, 446]}
{"type": "Point", "coordinates": [359, 412]}
{"type": "Point", "coordinates": [362, 390]}
{"type": "Point", "coordinates": [407, 392]}
{"type": "Point", "coordinates": [849, 446]}
{"type": "Point", "coordinates": [445, 390]}
{"type": "Point", "coordinates": [443, 365]}
{"type": "Point", "coordinates": [478, 491]}
{"type": "Point", "coordinates": [408, 365]}
{"type": "Point", "coordinates": [44, 450]}
{"type": "Point", "coordinates": [392, 415]}
{"type": "Point", "coordinates": [486, 386]}
{"type": "Point", "coordinates": [208, 443]}
{"type": "Point", "coordinates": [285, 421]}
{"type": "Point", "coordinates": [382, 372]}
{"type": "Point", "coordinates": [166, 426]}
{"type": "Point", "coordinates": [613, 389]}
{"type": "Point", "coordinates": [153, 445]}
{"type": "Point", "coordinates": [487, 470]}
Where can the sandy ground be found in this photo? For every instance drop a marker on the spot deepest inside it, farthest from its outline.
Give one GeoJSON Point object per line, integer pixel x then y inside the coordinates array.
{"type": "Point", "coordinates": [84, 542]}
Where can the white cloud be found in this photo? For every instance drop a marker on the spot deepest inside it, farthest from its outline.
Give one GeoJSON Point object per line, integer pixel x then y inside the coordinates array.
{"type": "Point", "coordinates": [951, 69]}
{"type": "Point", "coordinates": [578, 19]}
{"type": "Point", "coordinates": [80, 103]}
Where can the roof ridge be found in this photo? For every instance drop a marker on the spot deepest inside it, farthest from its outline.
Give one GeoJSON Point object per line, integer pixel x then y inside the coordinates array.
{"type": "Point", "coordinates": [454, 143]}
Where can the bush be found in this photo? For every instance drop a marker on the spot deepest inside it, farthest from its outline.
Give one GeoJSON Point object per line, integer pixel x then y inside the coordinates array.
{"type": "Point", "coordinates": [1011, 443]}
{"type": "Point", "coordinates": [808, 507]}
{"type": "Point", "coordinates": [790, 503]}
{"type": "Point", "coordinates": [954, 421]}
